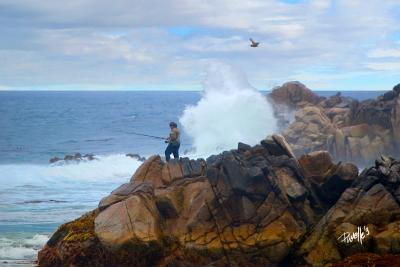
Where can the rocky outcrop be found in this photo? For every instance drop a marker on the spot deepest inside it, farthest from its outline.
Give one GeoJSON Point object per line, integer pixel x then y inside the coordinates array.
{"type": "Point", "coordinates": [294, 94]}
{"type": "Point", "coordinates": [288, 98]}
{"type": "Point", "coordinates": [350, 130]}
{"type": "Point", "coordinates": [371, 203]}
{"type": "Point", "coordinates": [250, 206]}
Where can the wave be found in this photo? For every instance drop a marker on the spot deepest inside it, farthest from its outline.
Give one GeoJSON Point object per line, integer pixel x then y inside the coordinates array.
{"type": "Point", "coordinates": [230, 111]}
{"type": "Point", "coordinates": [20, 248]}
{"type": "Point", "coordinates": [116, 167]}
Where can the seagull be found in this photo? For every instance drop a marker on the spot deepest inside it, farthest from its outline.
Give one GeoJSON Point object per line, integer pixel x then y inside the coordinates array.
{"type": "Point", "coordinates": [253, 44]}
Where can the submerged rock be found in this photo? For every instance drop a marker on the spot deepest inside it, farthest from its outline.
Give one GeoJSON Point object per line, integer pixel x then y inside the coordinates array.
{"type": "Point", "coordinates": [135, 156]}
{"type": "Point", "coordinates": [54, 159]}
{"type": "Point", "coordinates": [73, 158]}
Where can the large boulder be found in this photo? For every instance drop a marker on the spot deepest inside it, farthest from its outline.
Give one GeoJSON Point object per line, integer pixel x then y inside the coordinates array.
{"type": "Point", "coordinates": [123, 192]}
{"type": "Point", "coordinates": [328, 180]}
{"type": "Point", "coordinates": [149, 171]}
{"type": "Point", "coordinates": [293, 94]}
{"type": "Point", "coordinates": [309, 163]}
{"type": "Point", "coordinates": [134, 217]}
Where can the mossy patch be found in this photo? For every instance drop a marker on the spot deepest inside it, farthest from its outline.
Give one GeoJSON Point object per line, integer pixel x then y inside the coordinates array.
{"type": "Point", "coordinates": [78, 230]}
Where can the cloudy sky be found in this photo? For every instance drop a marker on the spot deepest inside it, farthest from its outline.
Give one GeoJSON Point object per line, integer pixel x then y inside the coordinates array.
{"type": "Point", "coordinates": [167, 44]}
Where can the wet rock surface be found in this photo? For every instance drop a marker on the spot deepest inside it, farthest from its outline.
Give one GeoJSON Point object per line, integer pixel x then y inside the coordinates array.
{"type": "Point", "coordinates": [252, 206]}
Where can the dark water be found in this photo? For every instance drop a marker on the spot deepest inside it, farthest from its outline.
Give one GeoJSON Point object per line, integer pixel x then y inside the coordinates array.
{"type": "Point", "coordinates": [35, 197]}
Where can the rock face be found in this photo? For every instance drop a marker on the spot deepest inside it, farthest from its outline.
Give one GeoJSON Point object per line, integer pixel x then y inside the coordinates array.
{"type": "Point", "coordinates": [372, 201]}
{"type": "Point", "coordinates": [350, 130]}
{"type": "Point", "coordinates": [251, 206]}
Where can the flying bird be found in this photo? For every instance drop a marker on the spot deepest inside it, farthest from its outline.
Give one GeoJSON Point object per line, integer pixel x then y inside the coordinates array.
{"type": "Point", "coordinates": [254, 44]}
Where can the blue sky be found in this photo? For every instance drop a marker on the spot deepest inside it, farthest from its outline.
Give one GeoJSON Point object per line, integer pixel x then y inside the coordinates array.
{"type": "Point", "coordinates": [167, 45]}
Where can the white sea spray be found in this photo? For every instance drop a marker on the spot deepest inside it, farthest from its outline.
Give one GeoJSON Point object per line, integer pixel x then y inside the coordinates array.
{"type": "Point", "coordinates": [230, 111]}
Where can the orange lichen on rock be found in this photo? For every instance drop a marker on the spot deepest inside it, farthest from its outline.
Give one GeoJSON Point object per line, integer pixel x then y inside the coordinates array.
{"type": "Point", "coordinates": [254, 206]}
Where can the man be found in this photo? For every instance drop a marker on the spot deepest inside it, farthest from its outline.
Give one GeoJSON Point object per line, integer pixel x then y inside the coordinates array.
{"type": "Point", "coordinates": [173, 142]}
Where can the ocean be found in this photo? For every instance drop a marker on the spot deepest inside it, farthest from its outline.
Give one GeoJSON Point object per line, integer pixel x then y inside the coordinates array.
{"type": "Point", "coordinates": [36, 196]}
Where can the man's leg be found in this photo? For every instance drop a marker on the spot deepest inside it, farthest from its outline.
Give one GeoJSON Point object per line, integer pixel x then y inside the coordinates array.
{"type": "Point", "coordinates": [168, 153]}
{"type": "Point", "coordinates": [176, 152]}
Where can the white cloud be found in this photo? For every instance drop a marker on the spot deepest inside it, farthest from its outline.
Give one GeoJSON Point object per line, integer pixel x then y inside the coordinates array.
{"type": "Point", "coordinates": [381, 53]}
{"type": "Point", "coordinates": [384, 66]}
{"type": "Point", "coordinates": [129, 42]}
{"type": "Point", "coordinates": [97, 45]}
{"type": "Point", "coordinates": [321, 5]}
{"type": "Point", "coordinates": [214, 44]}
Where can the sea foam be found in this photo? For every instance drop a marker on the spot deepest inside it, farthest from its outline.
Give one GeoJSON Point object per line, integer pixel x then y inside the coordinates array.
{"type": "Point", "coordinates": [18, 248]}
{"type": "Point", "coordinates": [230, 111]}
{"type": "Point", "coordinates": [105, 168]}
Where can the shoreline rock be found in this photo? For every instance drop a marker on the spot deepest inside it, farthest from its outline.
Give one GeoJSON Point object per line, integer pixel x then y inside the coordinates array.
{"type": "Point", "coordinates": [252, 206]}
{"type": "Point", "coordinates": [348, 129]}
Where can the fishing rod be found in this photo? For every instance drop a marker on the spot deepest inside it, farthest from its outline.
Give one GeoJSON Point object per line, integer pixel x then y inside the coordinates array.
{"type": "Point", "coordinates": [155, 137]}
{"type": "Point", "coordinates": [148, 135]}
